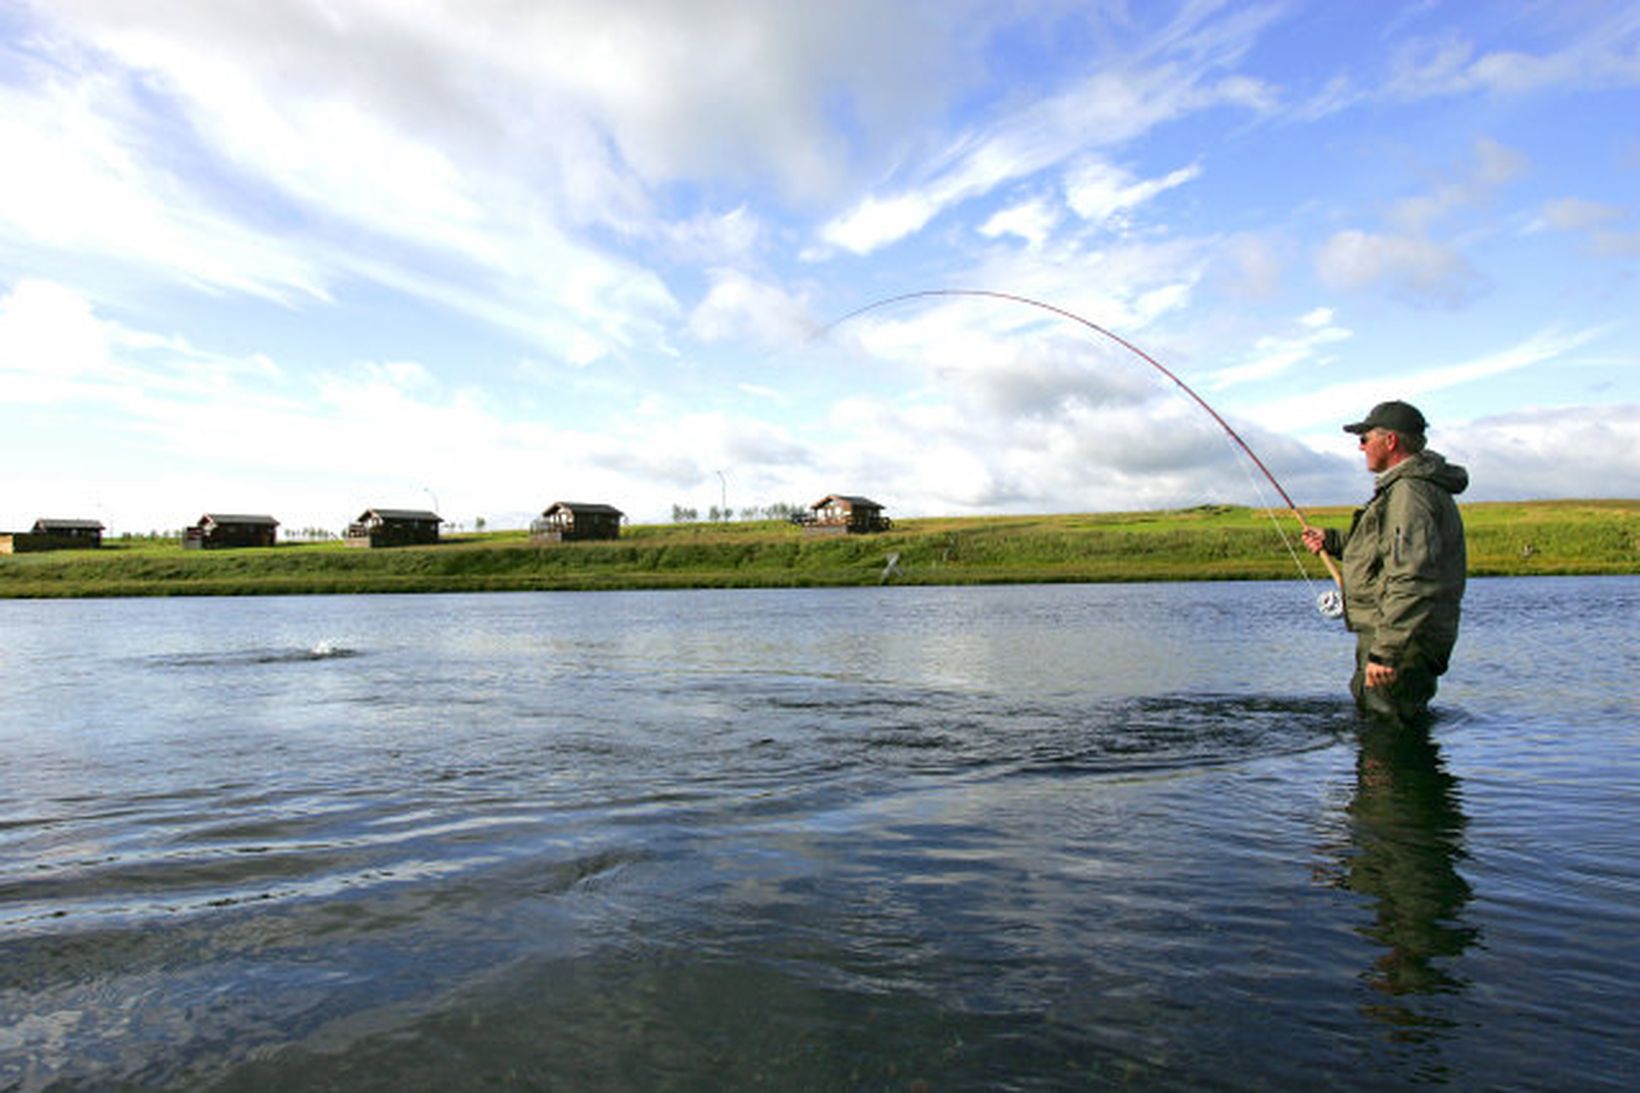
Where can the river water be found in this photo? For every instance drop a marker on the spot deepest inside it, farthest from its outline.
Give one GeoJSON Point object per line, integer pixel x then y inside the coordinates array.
{"type": "Point", "coordinates": [1014, 837]}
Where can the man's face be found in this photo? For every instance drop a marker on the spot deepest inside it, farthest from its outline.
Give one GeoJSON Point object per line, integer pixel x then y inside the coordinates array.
{"type": "Point", "coordinates": [1376, 445]}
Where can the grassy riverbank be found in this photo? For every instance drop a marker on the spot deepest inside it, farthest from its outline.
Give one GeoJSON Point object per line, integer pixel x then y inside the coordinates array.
{"type": "Point", "coordinates": [1207, 543]}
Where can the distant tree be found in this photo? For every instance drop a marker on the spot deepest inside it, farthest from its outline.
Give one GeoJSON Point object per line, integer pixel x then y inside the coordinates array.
{"type": "Point", "coordinates": [478, 523]}
{"type": "Point", "coordinates": [684, 515]}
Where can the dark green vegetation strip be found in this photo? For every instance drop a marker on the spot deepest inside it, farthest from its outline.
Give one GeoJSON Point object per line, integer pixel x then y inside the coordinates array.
{"type": "Point", "coordinates": [1206, 543]}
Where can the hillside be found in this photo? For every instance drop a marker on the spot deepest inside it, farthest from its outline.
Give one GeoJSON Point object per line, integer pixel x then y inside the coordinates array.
{"type": "Point", "coordinates": [1205, 543]}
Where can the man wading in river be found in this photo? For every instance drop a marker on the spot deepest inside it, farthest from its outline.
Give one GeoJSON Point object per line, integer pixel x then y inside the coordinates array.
{"type": "Point", "coordinates": [1403, 563]}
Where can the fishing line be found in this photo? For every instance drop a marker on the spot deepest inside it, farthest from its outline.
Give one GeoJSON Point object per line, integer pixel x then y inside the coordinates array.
{"type": "Point", "coordinates": [1329, 603]}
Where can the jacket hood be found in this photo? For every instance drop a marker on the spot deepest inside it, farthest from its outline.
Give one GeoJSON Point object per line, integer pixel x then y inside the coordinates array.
{"type": "Point", "coordinates": [1432, 467]}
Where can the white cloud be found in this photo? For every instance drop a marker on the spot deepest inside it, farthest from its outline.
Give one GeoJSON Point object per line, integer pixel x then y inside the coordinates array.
{"type": "Point", "coordinates": [1409, 259]}
{"type": "Point", "coordinates": [1019, 410]}
{"type": "Point", "coordinates": [1495, 165]}
{"type": "Point", "coordinates": [1252, 266]}
{"type": "Point", "coordinates": [1420, 269]}
{"type": "Point", "coordinates": [1576, 214]}
{"type": "Point", "coordinates": [1275, 354]}
{"type": "Point", "coordinates": [1158, 450]}
{"type": "Point", "coordinates": [1603, 51]}
{"type": "Point", "coordinates": [307, 178]}
{"type": "Point", "coordinates": [1124, 286]}
{"type": "Point", "coordinates": [1492, 165]}
{"type": "Point", "coordinates": [55, 349]}
{"type": "Point", "coordinates": [602, 101]}
{"type": "Point", "coordinates": [1597, 221]}
{"type": "Point", "coordinates": [738, 307]}
{"type": "Point", "coordinates": [160, 402]}
{"type": "Point", "coordinates": [77, 182]}
{"type": "Point", "coordinates": [48, 331]}
{"type": "Point", "coordinates": [876, 222]}
{"type": "Point", "coordinates": [1338, 94]}
{"type": "Point", "coordinates": [1103, 193]}
{"type": "Point", "coordinates": [584, 349]}
{"type": "Point", "coordinates": [1117, 104]}
{"type": "Point", "coordinates": [1320, 406]}
{"type": "Point", "coordinates": [1551, 452]}
{"type": "Point", "coordinates": [1124, 289]}
{"type": "Point", "coordinates": [1603, 55]}
{"type": "Point", "coordinates": [717, 236]}
{"type": "Point", "coordinates": [397, 429]}
{"type": "Point", "coordinates": [1032, 221]}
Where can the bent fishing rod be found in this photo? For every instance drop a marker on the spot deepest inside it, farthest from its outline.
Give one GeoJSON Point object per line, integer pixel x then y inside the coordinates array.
{"type": "Point", "coordinates": [1328, 603]}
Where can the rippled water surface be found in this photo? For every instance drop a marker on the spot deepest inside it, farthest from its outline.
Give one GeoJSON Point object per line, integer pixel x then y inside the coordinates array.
{"type": "Point", "coordinates": [1045, 837]}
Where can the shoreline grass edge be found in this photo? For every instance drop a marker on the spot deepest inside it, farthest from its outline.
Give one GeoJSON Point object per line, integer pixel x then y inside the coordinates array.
{"type": "Point", "coordinates": [1205, 543]}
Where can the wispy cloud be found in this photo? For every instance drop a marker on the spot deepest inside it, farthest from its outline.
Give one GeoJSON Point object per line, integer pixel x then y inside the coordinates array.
{"type": "Point", "coordinates": [1603, 54]}
{"type": "Point", "coordinates": [1274, 354]}
{"type": "Point", "coordinates": [1033, 221]}
{"type": "Point", "coordinates": [1119, 103]}
{"type": "Point", "coordinates": [1599, 49]}
{"type": "Point", "coordinates": [1102, 193]}
{"type": "Point", "coordinates": [77, 182]}
{"type": "Point", "coordinates": [1321, 406]}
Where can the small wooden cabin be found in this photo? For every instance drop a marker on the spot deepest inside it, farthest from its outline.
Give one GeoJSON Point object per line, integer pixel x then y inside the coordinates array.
{"type": "Point", "coordinates": [393, 527]}
{"type": "Point", "coordinates": [53, 535]}
{"type": "Point", "coordinates": [220, 530]}
{"type": "Point", "coordinates": [843, 514]}
{"type": "Point", "coordinates": [82, 533]}
{"type": "Point", "coordinates": [570, 521]}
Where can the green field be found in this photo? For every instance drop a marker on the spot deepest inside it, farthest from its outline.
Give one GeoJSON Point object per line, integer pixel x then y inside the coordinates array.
{"type": "Point", "coordinates": [1205, 543]}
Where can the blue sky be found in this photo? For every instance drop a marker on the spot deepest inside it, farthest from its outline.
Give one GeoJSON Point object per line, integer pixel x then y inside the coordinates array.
{"type": "Point", "coordinates": [305, 258]}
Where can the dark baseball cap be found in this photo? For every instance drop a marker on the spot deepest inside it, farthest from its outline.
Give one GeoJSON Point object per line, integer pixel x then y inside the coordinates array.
{"type": "Point", "coordinates": [1399, 416]}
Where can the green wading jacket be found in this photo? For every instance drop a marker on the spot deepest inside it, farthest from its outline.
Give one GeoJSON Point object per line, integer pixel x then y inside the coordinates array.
{"type": "Point", "coordinates": [1404, 562]}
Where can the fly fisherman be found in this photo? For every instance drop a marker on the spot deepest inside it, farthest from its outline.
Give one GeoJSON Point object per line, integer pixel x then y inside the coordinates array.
{"type": "Point", "coordinates": [1403, 563]}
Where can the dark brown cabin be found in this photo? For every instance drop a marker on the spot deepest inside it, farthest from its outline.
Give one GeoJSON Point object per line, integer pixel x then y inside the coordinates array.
{"type": "Point", "coordinates": [217, 530]}
{"type": "Point", "coordinates": [86, 533]}
{"type": "Point", "coordinates": [54, 535]}
{"type": "Point", "coordinates": [840, 514]}
{"type": "Point", "coordinates": [394, 527]}
{"type": "Point", "coordinates": [571, 521]}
